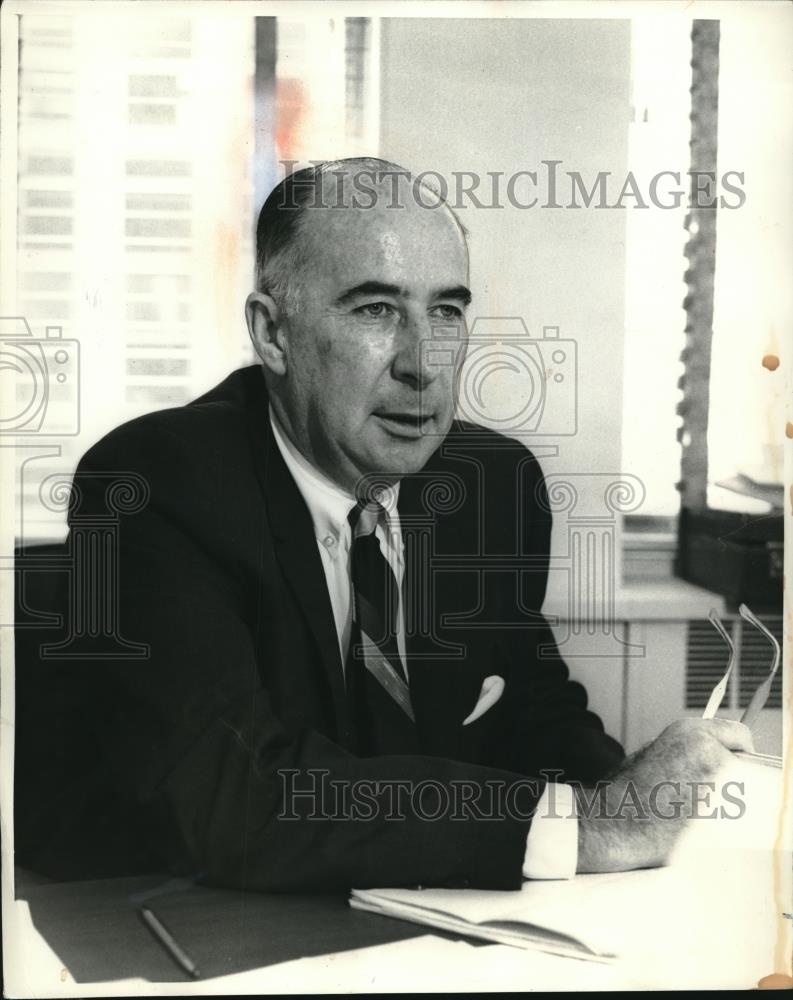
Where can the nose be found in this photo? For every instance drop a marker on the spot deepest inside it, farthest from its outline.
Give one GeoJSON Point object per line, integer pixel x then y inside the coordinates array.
{"type": "Point", "coordinates": [413, 363]}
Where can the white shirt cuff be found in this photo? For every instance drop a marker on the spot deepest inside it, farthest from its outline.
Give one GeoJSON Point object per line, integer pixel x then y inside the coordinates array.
{"type": "Point", "coordinates": [552, 843]}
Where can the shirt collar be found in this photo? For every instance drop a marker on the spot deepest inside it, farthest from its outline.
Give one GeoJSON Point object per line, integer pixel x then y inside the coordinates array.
{"type": "Point", "coordinates": [328, 504]}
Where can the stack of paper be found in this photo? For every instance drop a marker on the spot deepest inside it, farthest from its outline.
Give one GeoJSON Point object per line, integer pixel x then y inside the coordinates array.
{"type": "Point", "coordinates": [584, 917]}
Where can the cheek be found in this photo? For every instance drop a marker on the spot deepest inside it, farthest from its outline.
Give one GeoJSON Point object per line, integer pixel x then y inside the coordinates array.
{"type": "Point", "coordinates": [325, 348]}
{"type": "Point", "coordinates": [358, 360]}
{"type": "Point", "coordinates": [344, 366]}
{"type": "Point", "coordinates": [326, 362]}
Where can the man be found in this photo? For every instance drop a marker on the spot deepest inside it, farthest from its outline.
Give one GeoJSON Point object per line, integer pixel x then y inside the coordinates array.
{"type": "Point", "coordinates": [303, 639]}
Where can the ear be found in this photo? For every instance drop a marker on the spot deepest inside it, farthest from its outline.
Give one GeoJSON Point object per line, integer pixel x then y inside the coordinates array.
{"type": "Point", "coordinates": [264, 326]}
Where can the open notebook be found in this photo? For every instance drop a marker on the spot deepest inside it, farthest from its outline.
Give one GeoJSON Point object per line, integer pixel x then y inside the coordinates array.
{"type": "Point", "coordinates": [587, 917]}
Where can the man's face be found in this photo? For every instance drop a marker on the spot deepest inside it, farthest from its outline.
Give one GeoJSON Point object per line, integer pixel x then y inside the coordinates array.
{"type": "Point", "coordinates": [359, 395]}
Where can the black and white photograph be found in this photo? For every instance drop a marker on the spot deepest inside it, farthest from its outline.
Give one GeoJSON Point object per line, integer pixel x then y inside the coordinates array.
{"type": "Point", "coordinates": [396, 456]}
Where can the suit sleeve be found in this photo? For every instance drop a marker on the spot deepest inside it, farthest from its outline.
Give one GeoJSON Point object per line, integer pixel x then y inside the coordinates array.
{"type": "Point", "coordinates": [556, 732]}
{"type": "Point", "coordinates": [191, 733]}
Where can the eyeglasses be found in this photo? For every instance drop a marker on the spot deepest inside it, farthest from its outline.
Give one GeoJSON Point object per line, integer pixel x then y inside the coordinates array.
{"type": "Point", "coordinates": [760, 696]}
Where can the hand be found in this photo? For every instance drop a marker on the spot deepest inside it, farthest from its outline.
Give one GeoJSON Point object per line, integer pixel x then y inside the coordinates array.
{"type": "Point", "coordinates": [634, 820]}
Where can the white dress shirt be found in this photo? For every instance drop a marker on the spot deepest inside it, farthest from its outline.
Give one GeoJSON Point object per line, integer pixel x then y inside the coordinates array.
{"type": "Point", "coordinates": [552, 843]}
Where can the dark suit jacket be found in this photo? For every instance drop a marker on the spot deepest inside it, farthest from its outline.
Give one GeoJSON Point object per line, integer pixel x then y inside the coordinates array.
{"type": "Point", "coordinates": [182, 758]}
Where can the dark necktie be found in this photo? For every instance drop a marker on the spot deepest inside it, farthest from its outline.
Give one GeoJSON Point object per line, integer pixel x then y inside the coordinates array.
{"type": "Point", "coordinates": [373, 659]}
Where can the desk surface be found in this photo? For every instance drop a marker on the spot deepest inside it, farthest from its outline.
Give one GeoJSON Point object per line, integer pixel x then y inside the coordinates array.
{"type": "Point", "coordinates": [724, 924]}
{"type": "Point", "coordinates": [96, 929]}
{"type": "Point", "coordinates": [84, 939]}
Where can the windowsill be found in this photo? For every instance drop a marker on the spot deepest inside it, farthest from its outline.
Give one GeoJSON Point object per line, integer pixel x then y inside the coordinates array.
{"type": "Point", "coordinates": [648, 556]}
{"type": "Point", "coordinates": [667, 599]}
{"type": "Point", "coordinates": [670, 599]}
{"type": "Point", "coordinates": [649, 590]}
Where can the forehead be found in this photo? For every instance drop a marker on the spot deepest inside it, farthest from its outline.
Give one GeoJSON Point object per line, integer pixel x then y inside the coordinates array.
{"type": "Point", "coordinates": [405, 243]}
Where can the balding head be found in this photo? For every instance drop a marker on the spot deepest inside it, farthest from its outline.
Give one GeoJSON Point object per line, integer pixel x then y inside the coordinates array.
{"type": "Point", "coordinates": [358, 268]}
{"type": "Point", "coordinates": [330, 187]}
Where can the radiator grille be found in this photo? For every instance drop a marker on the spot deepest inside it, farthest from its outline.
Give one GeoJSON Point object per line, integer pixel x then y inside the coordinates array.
{"type": "Point", "coordinates": [706, 661]}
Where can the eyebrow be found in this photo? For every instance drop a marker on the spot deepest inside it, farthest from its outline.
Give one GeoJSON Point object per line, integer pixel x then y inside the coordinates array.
{"type": "Point", "coordinates": [457, 292]}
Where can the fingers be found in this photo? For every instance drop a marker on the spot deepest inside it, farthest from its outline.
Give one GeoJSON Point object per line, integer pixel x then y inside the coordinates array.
{"type": "Point", "coordinates": [732, 735]}
{"type": "Point", "coordinates": [696, 749]}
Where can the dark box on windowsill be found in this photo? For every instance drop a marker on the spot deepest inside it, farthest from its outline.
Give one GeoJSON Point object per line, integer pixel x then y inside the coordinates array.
{"type": "Point", "coordinates": [739, 556]}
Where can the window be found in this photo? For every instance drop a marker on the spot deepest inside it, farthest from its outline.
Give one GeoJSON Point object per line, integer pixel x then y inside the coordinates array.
{"type": "Point", "coordinates": [753, 304]}
{"type": "Point", "coordinates": [655, 263]}
{"type": "Point", "coordinates": [138, 192]}
{"type": "Point", "coordinates": [753, 301]}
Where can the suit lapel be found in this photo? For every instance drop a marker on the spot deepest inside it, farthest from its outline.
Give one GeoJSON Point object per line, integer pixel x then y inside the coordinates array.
{"type": "Point", "coordinates": [413, 597]}
{"type": "Point", "coordinates": [444, 684]}
{"type": "Point", "coordinates": [420, 530]}
{"type": "Point", "coordinates": [296, 546]}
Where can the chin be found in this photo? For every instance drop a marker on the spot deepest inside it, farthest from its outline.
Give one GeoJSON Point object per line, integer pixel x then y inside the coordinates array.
{"type": "Point", "coordinates": [408, 458]}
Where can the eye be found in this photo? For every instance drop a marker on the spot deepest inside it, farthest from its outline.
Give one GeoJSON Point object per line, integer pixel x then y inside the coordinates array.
{"type": "Point", "coordinates": [375, 310]}
{"type": "Point", "coordinates": [447, 312]}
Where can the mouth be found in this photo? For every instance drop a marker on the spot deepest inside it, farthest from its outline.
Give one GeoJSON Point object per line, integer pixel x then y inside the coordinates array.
{"type": "Point", "coordinates": [403, 423]}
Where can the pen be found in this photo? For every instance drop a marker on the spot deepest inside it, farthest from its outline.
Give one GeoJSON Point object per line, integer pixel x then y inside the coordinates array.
{"type": "Point", "coordinates": [169, 942]}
